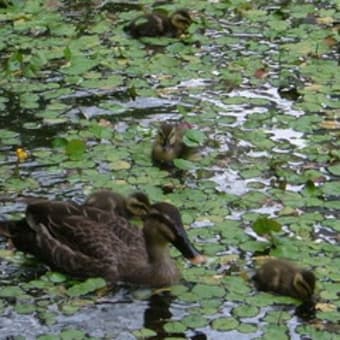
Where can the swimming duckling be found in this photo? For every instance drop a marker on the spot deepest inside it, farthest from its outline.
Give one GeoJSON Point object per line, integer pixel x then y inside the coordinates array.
{"type": "Point", "coordinates": [159, 24]}
{"type": "Point", "coordinates": [169, 144]}
{"type": "Point", "coordinates": [285, 278]}
{"type": "Point", "coordinates": [135, 205]}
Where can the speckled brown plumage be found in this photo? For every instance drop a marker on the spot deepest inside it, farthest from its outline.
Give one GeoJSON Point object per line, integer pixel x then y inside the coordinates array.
{"type": "Point", "coordinates": [85, 242]}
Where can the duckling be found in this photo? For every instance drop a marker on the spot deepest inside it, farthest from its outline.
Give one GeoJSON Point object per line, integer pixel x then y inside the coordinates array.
{"type": "Point", "coordinates": [85, 241]}
{"type": "Point", "coordinates": [169, 144]}
{"type": "Point", "coordinates": [159, 24]}
{"type": "Point", "coordinates": [285, 278]}
{"type": "Point", "coordinates": [135, 205]}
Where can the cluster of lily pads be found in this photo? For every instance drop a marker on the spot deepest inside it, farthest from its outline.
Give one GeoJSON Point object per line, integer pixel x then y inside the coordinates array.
{"type": "Point", "coordinates": [83, 101]}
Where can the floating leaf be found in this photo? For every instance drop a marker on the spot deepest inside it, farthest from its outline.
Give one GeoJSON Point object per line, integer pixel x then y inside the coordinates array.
{"type": "Point", "coordinates": [174, 327]}
{"type": "Point", "coordinates": [208, 291]}
{"type": "Point", "coordinates": [56, 277]}
{"type": "Point", "coordinates": [75, 149]}
{"type": "Point", "coordinates": [11, 291]}
{"type": "Point", "coordinates": [72, 334]}
{"type": "Point", "coordinates": [264, 225]}
{"type": "Point", "coordinates": [184, 164]}
{"type": "Point", "coordinates": [144, 333]}
{"type": "Point", "coordinates": [193, 138]}
{"type": "Point", "coordinates": [334, 169]}
{"type": "Point", "coordinates": [88, 286]}
{"type": "Point", "coordinates": [225, 324]}
{"type": "Point", "coordinates": [25, 308]}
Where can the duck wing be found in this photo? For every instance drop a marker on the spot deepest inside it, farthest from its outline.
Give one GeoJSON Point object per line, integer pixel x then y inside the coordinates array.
{"type": "Point", "coordinates": [68, 238]}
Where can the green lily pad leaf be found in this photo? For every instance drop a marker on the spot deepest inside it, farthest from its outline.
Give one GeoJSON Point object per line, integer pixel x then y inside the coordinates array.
{"type": "Point", "coordinates": [247, 328]}
{"type": "Point", "coordinates": [59, 142]}
{"type": "Point", "coordinates": [174, 327]}
{"type": "Point", "coordinates": [194, 321]}
{"type": "Point", "coordinates": [72, 334]}
{"type": "Point", "coordinates": [193, 138]}
{"type": "Point", "coordinates": [245, 311]}
{"type": "Point", "coordinates": [46, 317]}
{"type": "Point", "coordinates": [208, 291]}
{"type": "Point", "coordinates": [334, 169]}
{"type": "Point", "coordinates": [75, 149]}
{"type": "Point", "coordinates": [144, 333]}
{"type": "Point", "coordinates": [264, 225]}
{"type": "Point", "coordinates": [69, 309]}
{"type": "Point", "coordinates": [11, 291]}
{"type": "Point", "coordinates": [273, 316]}
{"type": "Point", "coordinates": [56, 277]}
{"type": "Point", "coordinates": [88, 286]}
{"type": "Point", "coordinates": [24, 308]}
{"type": "Point", "coordinates": [225, 324]}
{"type": "Point", "coordinates": [78, 65]}
{"type": "Point", "coordinates": [48, 337]}
{"type": "Point", "coordinates": [331, 188]}
{"type": "Point", "coordinates": [184, 164]}
{"type": "Point", "coordinates": [274, 331]}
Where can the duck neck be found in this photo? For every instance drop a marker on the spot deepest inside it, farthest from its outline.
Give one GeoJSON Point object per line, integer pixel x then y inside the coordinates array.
{"type": "Point", "coordinates": [160, 269]}
{"type": "Point", "coordinates": [158, 253]}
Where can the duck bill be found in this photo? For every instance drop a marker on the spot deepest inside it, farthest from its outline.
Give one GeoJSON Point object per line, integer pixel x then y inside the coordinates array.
{"type": "Point", "coordinates": [183, 244]}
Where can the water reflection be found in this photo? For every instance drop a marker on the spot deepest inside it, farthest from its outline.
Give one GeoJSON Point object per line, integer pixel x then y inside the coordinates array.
{"type": "Point", "coordinates": [158, 313]}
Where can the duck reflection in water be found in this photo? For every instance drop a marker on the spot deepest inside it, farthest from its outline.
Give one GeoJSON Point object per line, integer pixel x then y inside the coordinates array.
{"type": "Point", "coordinates": [158, 314]}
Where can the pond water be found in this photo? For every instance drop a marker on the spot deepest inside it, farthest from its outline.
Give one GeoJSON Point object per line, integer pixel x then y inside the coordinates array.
{"type": "Point", "coordinates": [77, 76]}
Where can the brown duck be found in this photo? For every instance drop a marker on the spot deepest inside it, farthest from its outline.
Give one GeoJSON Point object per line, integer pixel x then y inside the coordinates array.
{"type": "Point", "coordinates": [85, 241]}
{"type": "Point", "coordinates": [159, 24]}
{"type": "Point", "coordinates": [168, 144]}
{"type": "Point", "coordinates": [285, 278]}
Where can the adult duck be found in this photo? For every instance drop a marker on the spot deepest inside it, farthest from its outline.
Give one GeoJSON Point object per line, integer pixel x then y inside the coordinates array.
{"type": "Point", "coordinates": [85, 241]}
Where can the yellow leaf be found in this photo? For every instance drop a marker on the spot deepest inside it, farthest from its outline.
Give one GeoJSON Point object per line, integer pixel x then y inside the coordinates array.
{"type": "Point", "coordinates": [330, 124]}
{"type": "Point", "coordinates": [325, 307]}
{"type": "Point", "coordinates": [120, 165]}
{"type": "Point", "coordinates": [22, 154]}
{"type": "Point", "coordinates": [325, 20]}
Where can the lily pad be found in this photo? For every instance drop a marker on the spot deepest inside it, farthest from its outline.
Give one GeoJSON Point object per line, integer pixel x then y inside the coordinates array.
{"type": "Point", "coordinates": [86, 287]}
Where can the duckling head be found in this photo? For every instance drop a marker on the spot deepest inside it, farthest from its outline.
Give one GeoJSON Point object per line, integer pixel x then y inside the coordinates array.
{"type": "Point", "coordinates": [304, 284]}
{"type": "Point", "coordinates": [171, 230]}
{"type": "Point", "coordinates": [107, 200]}
{"type": "Point", "coordinates": [168, 144]}
{"type": "Point", "coordinates": [137, 204]}
{"type": "Point", "coordinates": [181, 20]}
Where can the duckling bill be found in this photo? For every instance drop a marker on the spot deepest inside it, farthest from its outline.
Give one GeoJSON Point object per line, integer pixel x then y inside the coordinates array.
{"type": "Point", "coordinates": [85, 241]}
{"type": "Point", "coordinates": [285, 278]}
{"type": "Point", "coordinates": [159, 24]}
